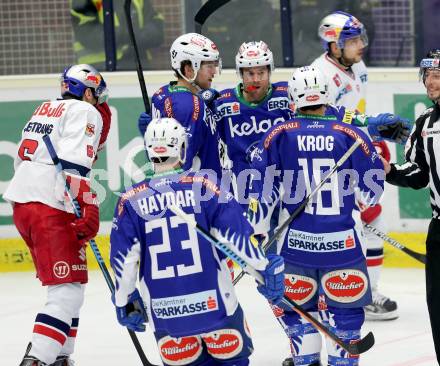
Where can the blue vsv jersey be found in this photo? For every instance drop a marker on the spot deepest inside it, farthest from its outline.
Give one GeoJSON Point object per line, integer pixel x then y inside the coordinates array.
{"type": "Point", "coordinates": [184, 280]}
{"type": "Point", "coordinates": [241, 124]}
{"type": "Point", "coordinates": [303, 150]}
{"type": "Point", "coordinates": [190, 110]}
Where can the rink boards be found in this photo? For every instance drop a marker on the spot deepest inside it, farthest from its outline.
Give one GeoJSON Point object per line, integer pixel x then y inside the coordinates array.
{"type": "Point", "coordinates": [406, 211]}
{"type": "Point", "coordinates": [15, 257]}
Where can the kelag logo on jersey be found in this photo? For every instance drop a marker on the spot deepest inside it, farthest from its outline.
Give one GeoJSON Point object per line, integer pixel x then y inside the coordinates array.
{"type": "Point", "coordinates": [278, 103]}
{"type": "Point", "coordinates": [252, 127]}
{"type": "Point", "coordinates": [186, 305]}
{"type": "Point", "coordinates": [321, 243]}
{"type": "Point", "coordinates": [228, 109]}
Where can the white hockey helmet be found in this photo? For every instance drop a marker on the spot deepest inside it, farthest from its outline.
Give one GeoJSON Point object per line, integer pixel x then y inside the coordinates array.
{"type": "Point", "coordinates": [75, 79]}
{"type": "Point", "coordinates": [308, 86]}
{"type": "Point", "coordinates": [165, 138]}
{"type": "Point", "coordinates": [251, 54]}
{"type": "Point", "coordinates": [195, 48]}
{"type": "Point", "coordinates": [340, 26]}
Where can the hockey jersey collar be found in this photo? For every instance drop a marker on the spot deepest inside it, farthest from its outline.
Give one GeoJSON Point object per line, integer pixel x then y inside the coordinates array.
{"type": "Point", "coordinates": [315, 117]}
{"type": "Point", "coordinates": [173, 87]}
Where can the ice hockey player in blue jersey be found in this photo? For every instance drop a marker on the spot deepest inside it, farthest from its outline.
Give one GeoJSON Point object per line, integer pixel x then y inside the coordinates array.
{"type": "Point", "coordinates": [185, 288]}
{"type": "Point", "coordinates": [247, 111]}
{"type": "Point", "coordinates": [195, 61]}
{"type": "Point", "coordinates": [323, 246]}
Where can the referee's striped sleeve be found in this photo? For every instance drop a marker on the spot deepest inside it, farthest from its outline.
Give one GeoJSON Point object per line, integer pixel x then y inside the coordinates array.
{"type": "Point", "coordinates": [414, 173]}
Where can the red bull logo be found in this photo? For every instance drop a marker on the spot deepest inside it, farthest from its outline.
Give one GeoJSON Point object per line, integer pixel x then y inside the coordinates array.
{"type": "Point", "coordinates": [95, 79]}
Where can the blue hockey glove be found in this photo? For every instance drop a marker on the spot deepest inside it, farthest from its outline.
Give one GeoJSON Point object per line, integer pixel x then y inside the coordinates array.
{"type": "Point", "coordinates": [143, 121]}
{"type": "Point", "coordinates": [209, 96]}
{"type": "Point", "coordinates": [273, 288]}
{"type": "Point", "coordinates": [132, 315]}
{"type": "Point", "coordinates": [390, 127]}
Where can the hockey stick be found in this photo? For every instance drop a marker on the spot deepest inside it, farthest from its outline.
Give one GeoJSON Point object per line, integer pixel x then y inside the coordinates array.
{"type": "Point", "coordinates": [93, 245]}
{"type": "Point", "coordinates": [205, 11]}
{"type": "Point", "coordinates": [140, 73]}
{"type": "Point", "coordinates": [303, 205]}
{"type": "Point", "coordinates": [357, 348]}
{"type": "Point", "coordinates": [417, 256]}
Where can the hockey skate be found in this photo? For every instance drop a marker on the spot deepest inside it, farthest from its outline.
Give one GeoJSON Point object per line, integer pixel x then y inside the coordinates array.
{"type": "Point", "coordinates": [63, 361]}
{"type": "Point", "coordinates": [30, 360]}
{"type": "Point", "coordinates": [382, 308]}
{"type": "Point", "coordinates": [289, 362]}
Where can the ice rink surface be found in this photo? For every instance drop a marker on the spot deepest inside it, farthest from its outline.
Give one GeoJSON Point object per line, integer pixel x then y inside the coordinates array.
{"type": "Point", "coordinates": [101, 341]}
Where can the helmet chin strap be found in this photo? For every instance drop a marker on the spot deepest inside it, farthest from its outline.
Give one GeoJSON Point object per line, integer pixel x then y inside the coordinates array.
{"type": "Point", "coordinates": [191, 81]}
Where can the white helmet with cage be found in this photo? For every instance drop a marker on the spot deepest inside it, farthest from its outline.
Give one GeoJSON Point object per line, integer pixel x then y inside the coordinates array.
{"type": "Point", "coordinates": [252, 54]}
{"type": "Point", "coordinates": [308, 86]}
{"type": "Point", "coordinates": [75, 79]}
{"type": "Point", "coordinates": [195, 48]}
{"type": "Point", "coordinates": [340, 26]}
{"type": "Point", "coordinates": [165, 138]}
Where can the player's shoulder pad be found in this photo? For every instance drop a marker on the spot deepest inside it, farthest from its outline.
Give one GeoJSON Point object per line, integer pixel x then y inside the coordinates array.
{"type": "Point", "coordinates": [129, 194]}
{"type": "Point", "coordinates": [280, 87]}
{"type": "Point", "coordinates": [225, 94]}
{"type": "Point", "coordinates": [277, 130]}
{"type": "Point", "coordinates": [354, 134]}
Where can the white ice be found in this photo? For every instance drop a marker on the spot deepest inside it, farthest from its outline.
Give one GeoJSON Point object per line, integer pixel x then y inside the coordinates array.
{"type": "Point", "coordinates": [101, 341]}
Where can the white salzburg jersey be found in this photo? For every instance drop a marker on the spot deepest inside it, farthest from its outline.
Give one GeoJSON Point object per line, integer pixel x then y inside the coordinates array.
{"type": "Point", "coordinates": [74, 128]}
{"type": "Point", "coordinates": [345, 88]}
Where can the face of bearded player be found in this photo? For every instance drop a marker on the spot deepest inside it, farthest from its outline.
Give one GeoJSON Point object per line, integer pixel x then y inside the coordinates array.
{"type": "Point", "coordinates": [256, 81]}
{"type": "Point", "coordinates": [106, 115]}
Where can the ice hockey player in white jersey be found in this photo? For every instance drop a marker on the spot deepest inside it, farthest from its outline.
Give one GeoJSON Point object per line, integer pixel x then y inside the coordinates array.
{"type": "Point", "coordinates": [43, 217]}
{"type": "Point", "coordinates": [185, 286]}
{"type": "Point", "coordinates": [344, 39]}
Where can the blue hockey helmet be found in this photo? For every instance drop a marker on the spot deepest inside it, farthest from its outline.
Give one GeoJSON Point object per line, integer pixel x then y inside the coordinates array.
{"type": "Point", "coordinates": [75, 79]}
{"type": "Point", "coordinates": [340, 26]}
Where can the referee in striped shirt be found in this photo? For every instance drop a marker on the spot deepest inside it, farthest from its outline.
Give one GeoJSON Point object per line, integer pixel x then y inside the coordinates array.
{"type": "Point", "coordinates": [422, 168]}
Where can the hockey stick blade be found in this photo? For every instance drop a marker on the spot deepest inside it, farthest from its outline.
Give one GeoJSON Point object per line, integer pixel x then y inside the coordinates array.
{"type": "Point", "coordinates": [417, 256]}
{"type": "Point", "coordinates": [357, 348]}
{"type": "Point", "coordinates": [139, 70]}
{"type": "Point", "coordinates": [205, 11]}
{"type": "Point", "coordinates": [93, 246]}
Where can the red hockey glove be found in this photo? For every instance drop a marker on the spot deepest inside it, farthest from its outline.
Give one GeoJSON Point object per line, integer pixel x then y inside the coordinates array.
{"type": "Point", "coordinates": [106, 115]}
{"type": "Point", "coordinates": [86, 227]}
{"type": "Point", "coordinates": [371, 213]}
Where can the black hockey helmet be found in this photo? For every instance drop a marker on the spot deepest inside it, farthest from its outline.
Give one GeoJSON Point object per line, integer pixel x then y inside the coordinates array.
{"type": "Point", "coordinates": [431, 61]}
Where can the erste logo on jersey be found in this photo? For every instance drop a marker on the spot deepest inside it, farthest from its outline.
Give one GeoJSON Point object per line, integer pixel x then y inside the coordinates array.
{"type": "Point", "coordinates": [228, 109]}
{"type": "Point", "coordinates": [345, 286]}
{"type": "Point", "coordinates": [278, 103]}
{"type": "Point", "coordinates": [321, 243]}
{"type": "Point", "coordinates": [185, 305]}
{"type": "Point", "coordinates": [299, 288]}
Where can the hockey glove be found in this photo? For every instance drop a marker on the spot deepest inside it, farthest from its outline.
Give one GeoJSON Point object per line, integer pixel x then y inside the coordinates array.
{"type": "Point", "coordinates": [143, 121]}
{"type": "Point", "coordinates": [273, 288]}
{"type": "Point", "coordinates": [133, 315]}
{"type": "Point", "coordinates": [209, 96]}
{"type": "Point", "coordinates": [390, 127]}
{"type": "Point", "coordinates": [86, 227]}
{"type": "Point", "coordinates": [106, 115]}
